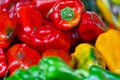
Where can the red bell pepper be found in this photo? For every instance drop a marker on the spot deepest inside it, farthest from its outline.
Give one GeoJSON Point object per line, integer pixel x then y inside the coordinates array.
{"type": "Point", "coordinates": [66, 14]}
{"type": "Point", "coordinates": [91, 25]}
{"type": "Point", "coordinates": [8, 24]}
{"type": "Point", "coordinates": [6, 4]}
{"type": "Point", "coordinates": [48, 37]}
{"type": "Point", "coordinates": [30, 20]}
{"type": "Point", "coordinates": [21, 56]}
{"type": "Point", "coordinates": [44, 6]}
{"type": "Point", "coordinates": [39, 37]}
{"type": "Point", "coordinates": [3, 64]}
{"type": "Point", "coordinates": [16, 4]}
{"type": "Point", "coordinates": [64, 55]}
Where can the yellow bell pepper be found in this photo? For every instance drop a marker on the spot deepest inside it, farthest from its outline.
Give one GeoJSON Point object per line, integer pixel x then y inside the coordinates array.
{"type": "Point", "coordinates": [86, 55]}
{"type": "Point", "coordinates": [110, 11]}
{"type": "Point", "coordinates": [108, 44]}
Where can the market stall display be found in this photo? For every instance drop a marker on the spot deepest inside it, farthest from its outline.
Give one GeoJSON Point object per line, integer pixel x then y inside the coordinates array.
{"type": "Point", "coordinates": [59, 39]}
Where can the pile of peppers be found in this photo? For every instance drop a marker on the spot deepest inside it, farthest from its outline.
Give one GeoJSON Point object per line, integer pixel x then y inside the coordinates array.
{"type": "Point", "coordinates": [53, 68]}
{"type": "Point", "coordinates": [59, 39]}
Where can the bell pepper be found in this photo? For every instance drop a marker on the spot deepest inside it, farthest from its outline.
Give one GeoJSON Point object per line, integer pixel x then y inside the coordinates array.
{"type": "Point", "coordinates": [44, 6]}
{"type": "Point", "coordinates": [16, 4]}
{"type": "Point", "coordinates": [38, 36]}
{"type": "Point", "coordinates": [3, 64]}
{"type": "Point", "coordinates": [98, 73]}
{"type": "Point", "coordinates": [50, 68]}
{"type": "Point", "coordinates": [48, 37]}
{"type": "Point", "coordinates": [64, 55]}
{"type": "Point", "coordinates": [28, 22]}
{"type": "Point", "coordinates": [91, 25]}
{"type": "Point", "coordinates": [86, 55]}
{"type": "Point", "coordinates": [108, 44]}
{"type": "Point", "coordinates": [53, 68]}
{"type": "Point", "coordinates": [66, 14]}
{"type": "Point", "coordinates": [21, 56]}
{"type": "Point", "coordinates": [8, 23]}
{"type": "Point", "coordinates": [109, 7]}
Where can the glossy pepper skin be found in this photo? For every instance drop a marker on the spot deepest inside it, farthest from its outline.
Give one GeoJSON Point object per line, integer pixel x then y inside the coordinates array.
{"type": "Point", "coordinates": [38, 36]}
{"type": "Point", "coordinates": [50, 68]}
{"type": "Point", "coordinates": [91, 25]}
{"type": "Point", "coordinates": [110, 7]}
{"type": "Point", "coordinates": [30, 20]}
{"type": "Point", "coordinates": [3, 63]}
{"type": "Point", "coordinates": [21, 56]}
{"type": "Point", "coordinates": [66, 14]}
{"type": "Point", "coordinates": [108, 44]}
{"type": "Point", "coordinates": [86, 55]}
{"type": "Point", "coordinates": [48, 37]}
{"type": "Point", "coordinates": [16, 4]}
{"type": "Point", "coordinates": [8, 23]}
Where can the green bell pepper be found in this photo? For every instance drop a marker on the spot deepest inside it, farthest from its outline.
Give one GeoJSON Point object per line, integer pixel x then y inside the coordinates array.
{"type": "Point", "coordinates": [53, 68]}
{"type": "Point", "coordinates": [97, 73]}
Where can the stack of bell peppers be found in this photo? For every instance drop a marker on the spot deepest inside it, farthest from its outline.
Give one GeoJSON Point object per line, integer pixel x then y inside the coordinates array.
{"type": "Point", "coordinates": [53, 68]}
{"type": "Point", "coordinates": [59, 40]}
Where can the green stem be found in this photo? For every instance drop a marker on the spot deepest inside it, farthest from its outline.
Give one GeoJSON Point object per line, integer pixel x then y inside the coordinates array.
{"type": "Point", "coordinates": [67, 13]}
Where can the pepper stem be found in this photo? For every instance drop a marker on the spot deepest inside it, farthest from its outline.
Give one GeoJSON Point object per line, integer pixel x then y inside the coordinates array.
{"type": "Point", "coordinates": [67, 13]}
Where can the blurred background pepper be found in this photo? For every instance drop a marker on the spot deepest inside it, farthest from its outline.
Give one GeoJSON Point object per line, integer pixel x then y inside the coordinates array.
{"type": "Point", "coordinates": [110, 10]}
{"type": "Point", "coordinates": [108, 44]}
{"type": "Point", "coordinates": [91, 25]}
